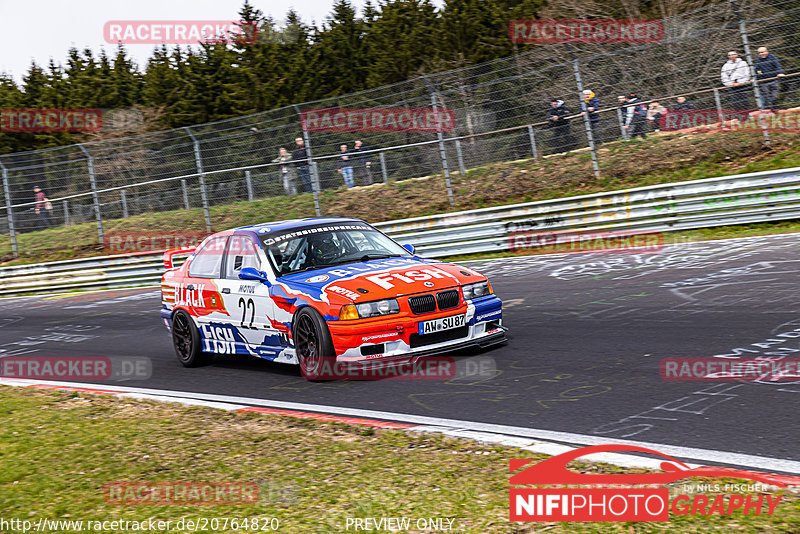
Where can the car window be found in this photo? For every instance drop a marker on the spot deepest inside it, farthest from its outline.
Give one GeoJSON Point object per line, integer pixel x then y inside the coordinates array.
{"type": "Point", "coordinates": [242, 252]}
{"type": "Point", "coordinates": [208, 259]}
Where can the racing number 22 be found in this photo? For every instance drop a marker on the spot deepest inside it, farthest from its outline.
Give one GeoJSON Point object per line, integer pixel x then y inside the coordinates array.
{"type": "Point", "coordinates": [247, 305]}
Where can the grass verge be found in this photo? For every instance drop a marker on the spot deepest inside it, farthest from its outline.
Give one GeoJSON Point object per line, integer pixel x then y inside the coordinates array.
{"type": "Point", "coordinates": [58, 449]}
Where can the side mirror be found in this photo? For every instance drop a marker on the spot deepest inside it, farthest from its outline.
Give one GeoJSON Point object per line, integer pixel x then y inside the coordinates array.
{"type": "Point", "coordinates": [409, 248]}
{"type": "Point", "coordinates": [251, 273]}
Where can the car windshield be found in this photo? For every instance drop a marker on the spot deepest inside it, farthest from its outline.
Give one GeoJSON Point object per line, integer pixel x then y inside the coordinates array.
{"type": "Point", "coordinates": [314, 248]}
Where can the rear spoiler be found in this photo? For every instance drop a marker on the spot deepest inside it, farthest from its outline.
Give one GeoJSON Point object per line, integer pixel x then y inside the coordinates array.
{"type": "Point", "coordinates": [168, 255]}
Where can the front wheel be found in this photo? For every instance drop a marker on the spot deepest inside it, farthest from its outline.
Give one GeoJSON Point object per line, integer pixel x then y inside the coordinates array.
{"type": "Point", "coordinates": [186, 340]}
{"type": "Point", "coordinates": [314, 346]}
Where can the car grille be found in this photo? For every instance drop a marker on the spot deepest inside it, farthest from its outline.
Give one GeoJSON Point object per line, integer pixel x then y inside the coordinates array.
{"type": "Point", "coordinates": [417, 340]}
{"type": "Point", "coordinates": [447, 299]}
{"type": "Point", "coordinates": [422, 304]}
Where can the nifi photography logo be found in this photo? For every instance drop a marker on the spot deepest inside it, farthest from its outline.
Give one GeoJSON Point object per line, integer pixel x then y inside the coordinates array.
{"type": "Point", "coordinates": [629, 497]}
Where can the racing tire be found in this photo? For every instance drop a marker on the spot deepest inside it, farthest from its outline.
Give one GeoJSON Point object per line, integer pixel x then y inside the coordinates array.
{"type": "Point", "coordinates": [314, 345]}
{"type": "Point", "coordinates": [186, 340]}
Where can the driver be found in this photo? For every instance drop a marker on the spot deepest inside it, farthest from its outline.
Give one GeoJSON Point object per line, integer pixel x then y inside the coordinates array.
{"type": "Point", "coordinates": [324, 249]}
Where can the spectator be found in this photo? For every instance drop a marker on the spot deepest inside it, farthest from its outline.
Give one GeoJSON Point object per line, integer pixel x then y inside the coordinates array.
{"type": "Point", "coordinates": [286, 172]}
{"type": "Point", "coordinates": [300, 160]}
{"type": "Point", "coordinates": [346, 166]}
{"type": "Point", "coordinates": [559, 123]}
{"type": "Point", "coordinates": [682, 104]}
{"type": "Point", "coordinates": [362, 163]}
{"type": "Point", "coordinates": [655, 112]}
{"type": "Point", "coordinates": [591, 105]}
{"type": "Point", "coordinates": [736, 75]}
{"type": "Point", "coordinates": [635, 117]}
{"type": "Point", "coordinates": [768, 67]}
{"type": "Point", "coordinates": [623, 107]}
{"type": "Point", "coordinates": [43, 207]}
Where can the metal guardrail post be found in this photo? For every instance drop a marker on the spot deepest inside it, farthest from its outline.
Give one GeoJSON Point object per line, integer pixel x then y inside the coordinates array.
{"type": "Point", "coordinates": [442, 148]}
{"type": "Point", "coordinates": [384, 172]}
{"type": "Point", "coordinates": [587, 123]}
{"type": "Point", "coordinates": [199, 162]}
{"type": "Point", "coordinates": [249, 183]}
{"type": "Point", "coordinates": [66, 213]}
{"type": "Point", "coordinates": [312, 167]}
{"type": "Point", "coordinates": [461, 167]}
{"type": "Point", "coordinates": [621, 122]}
{"type": "Point", "coordinates": [124, 199]}
{"type": "Point", "coordinates": [9, 210]}
{"type": "Point", "coordinates": [532, 137]}
{"type": "Point", "coordinates": [749, 56]}
{"type": "Point", "coordinates": [185, 194]}
{"type": "Point", "coordinates": [95, 196]}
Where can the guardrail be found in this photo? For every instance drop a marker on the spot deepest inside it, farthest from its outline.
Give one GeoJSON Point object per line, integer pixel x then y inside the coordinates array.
{"type": "Point", "coordinates": [739, 199]}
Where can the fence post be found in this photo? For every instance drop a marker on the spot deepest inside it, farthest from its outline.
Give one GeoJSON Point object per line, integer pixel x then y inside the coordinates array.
{"type": "Point", "coordinates": [718, 103]}
{"type": "Point", "coordinates": [124, 203]}
{"type": "Point", "coordinates": [185, 194]}
{"type": "Point", "coordinates": [199, 162]}
{"type": "Point", "coordinates": [532, 137]}
{"type": "Point", "coordinates": [312, 167]}
{"type": "Point", "coordinates": [66, 213]}
{"type": "Point", "coordinates": [383, 168]}
{"type": "Point", "coordinates": [442, 149]}
{"type": "Point", "coordinates": [622, 129]}
{"type": "Point", "coordinates": [95, 196]}
{"type": "Point", "coordinates": [249, 183]}
{"type": "Point", "coordinates": [9, 211]}
{"type": "Point", "coordinates": [587, 123]}
{"type": "Point", "coordinates": [749, 56]}
{"type": "Point", "coordinates": [460, 155]}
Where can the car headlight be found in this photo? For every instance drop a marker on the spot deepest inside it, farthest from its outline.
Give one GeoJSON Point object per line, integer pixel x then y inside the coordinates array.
{"type": "Point", "coordinates": [473, 291]}
{"type": "Point", "coordinates": [369, 309]}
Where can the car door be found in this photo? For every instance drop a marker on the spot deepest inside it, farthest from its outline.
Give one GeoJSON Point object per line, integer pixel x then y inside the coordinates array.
{"type": "Point", "coordinates": [198, 292]}
{"type": "Point", "coordinates": [248, 300]}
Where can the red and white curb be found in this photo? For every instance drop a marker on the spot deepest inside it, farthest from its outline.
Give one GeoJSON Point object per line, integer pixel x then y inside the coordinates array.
{"type": "Point", "coordinates": [529, 439]}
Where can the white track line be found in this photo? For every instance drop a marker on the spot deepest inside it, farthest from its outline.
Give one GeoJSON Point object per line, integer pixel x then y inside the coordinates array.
{"type": "Point", "coordinates": [450, 426]}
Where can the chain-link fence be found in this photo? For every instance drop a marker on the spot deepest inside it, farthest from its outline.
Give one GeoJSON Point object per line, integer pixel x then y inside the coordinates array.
{"type": "Point", "coordinates": [501, 113]}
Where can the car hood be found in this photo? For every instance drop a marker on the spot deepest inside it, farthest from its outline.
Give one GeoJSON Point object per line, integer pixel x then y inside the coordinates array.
{"type": "Point", "coordinates": [378, 279]}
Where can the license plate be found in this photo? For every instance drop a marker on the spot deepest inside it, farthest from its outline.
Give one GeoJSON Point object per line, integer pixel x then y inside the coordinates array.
{"type": "Point", "coordinates": [445, 323]}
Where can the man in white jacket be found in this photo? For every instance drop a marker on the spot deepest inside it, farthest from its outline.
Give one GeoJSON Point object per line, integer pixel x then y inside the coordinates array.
{"type": "Point", "coordinates": [736, 75]}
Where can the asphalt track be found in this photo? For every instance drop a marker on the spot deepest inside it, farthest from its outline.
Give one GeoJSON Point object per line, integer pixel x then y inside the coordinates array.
{"type": "Point", "coordinates": [587, 333]}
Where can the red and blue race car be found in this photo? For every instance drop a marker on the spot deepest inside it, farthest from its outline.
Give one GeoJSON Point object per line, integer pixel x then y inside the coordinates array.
{"type": "Point", "coordinates": [322, 290]}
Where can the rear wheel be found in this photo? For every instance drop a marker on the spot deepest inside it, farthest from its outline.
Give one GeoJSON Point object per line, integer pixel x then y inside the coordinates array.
{"type": "Point", "coordinates": [186, 340]}
{"type": "Point", "coordinates": [314, 346]}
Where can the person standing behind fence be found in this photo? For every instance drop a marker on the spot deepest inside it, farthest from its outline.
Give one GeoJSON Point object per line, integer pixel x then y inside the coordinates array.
{"type": "Point", "coordinates": [286, 171]}
{"type": "Point", "coordinates": [346, 166]}
{"type": "Point", "coordinates": [682, 104]}
{"type": "Point", "coordinates": [591, 105]}
{"type": "Point", "coordinates": [362, 163]}
{"type": "Point", "coordinates": [300, 159]}
{"type": "Point", "coordinates": [43, 207]}
{"type": "Point", "coordinates": [655, 112]}
{"type": "Point", "coordinates": [768, 67]}
{"type": "Point", "coordinates": [559, 123]}
{"type": "Point", "coordinates": [735, 74]}
{"type": "Point", "coordinates": [635, 116]}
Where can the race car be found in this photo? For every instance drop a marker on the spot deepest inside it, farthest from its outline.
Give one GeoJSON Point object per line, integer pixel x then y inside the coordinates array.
{"type": "Point", "coordinates": [321, 290]}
